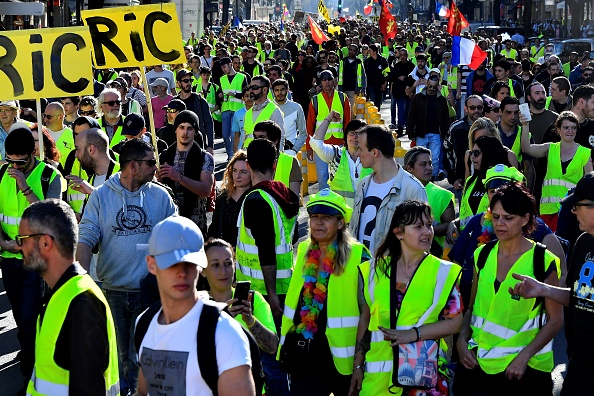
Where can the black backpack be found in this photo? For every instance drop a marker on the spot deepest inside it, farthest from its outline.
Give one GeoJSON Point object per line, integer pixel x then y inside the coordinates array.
{"type": "Point", "coordinates": [207, 356]}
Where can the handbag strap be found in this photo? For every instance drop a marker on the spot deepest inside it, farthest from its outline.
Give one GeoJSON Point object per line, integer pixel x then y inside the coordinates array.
{"type": "Point", "coordinates": [393, 297]}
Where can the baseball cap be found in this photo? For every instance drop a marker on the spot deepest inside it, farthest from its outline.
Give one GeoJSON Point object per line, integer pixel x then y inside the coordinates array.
{"type": "Point", "coordinates": [329, 203]}
{"type": "Point", "coordinates": [326, 74]}
{"type": "Point", "coordinates": [182, 73]}
{"type": "Point", "coordinates": [9, 103]}
{"type": "Point", "coordinates": [175, 240]}
{"type": "Point", "coordinates": [500, 175]}
{"type": "Point", "coordinates": [583, 190]}
{"type": "Point", "coordinates": [435, 70]}
{"type": "Point", "coordinates": [491, 103]}
{"type": "Point", "coordinates": [160, 81]}
{"type": "Point", "coordinates": [133, 124]}
{"type": "Point", "coordinates": [175, 104]}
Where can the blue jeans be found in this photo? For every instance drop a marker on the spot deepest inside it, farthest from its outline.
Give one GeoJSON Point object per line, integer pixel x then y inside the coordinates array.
{"type": "Point", "coordinates": [375, 95]}
{"type": "Point", "coordinates": [125, 308]}
{"type": "Point", "coordinates": [276, 380]}
{"type": "Point", "coordinates": [321, 171]}
{"type": "Point", "coordinates": [433, 142]}
{"type": "Point", "coordinates": [227, 139]}
{"type": "Point", "coordinates": [23, 289]}
{"type": "Point", "coordinates": [403, 104]}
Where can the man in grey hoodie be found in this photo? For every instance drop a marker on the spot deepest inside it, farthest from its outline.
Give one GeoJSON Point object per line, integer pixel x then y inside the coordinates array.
{"type": "Point", "coordinates": [120, 214]}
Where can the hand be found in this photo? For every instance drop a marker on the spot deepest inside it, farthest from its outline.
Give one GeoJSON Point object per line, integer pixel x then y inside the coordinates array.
{"type": "Point", "coordinates": [399, 336]}
{"type": "Point", "coordinates": [275, 305]}
{"type": "Point", "coordinates": [517, 367]}
{"type": "Point", "coordinates": [467, 356]}
{"type": "Point", "coordinates": [528, 287]}
{"type": "Point", "coordinates": [210, 150]}
{"type": "Point", "coordinates": [523, 120]}
{"type": "Point", "coordinates": [401, 78]}
{"type": "Point", "coordinates": [458, 184]}
{"type": "Point", "coordinates": [310, 155]}
{"type": "Point", "coordinates": [78, 184]}
{"type": "Point", "coordinates": [167, 171]}
{"type": "Point", "coordinates": [356, 381]}
{"type": "Point", "coordinates": [458, 95]}
{"type": "Point", "coordinates": [334, 116]}
{"type": "Point", "coordinates": [244, 309]}
{"type": "Point", "coordinates": [420, 81]}
{"type": "Point", "coordinates": [452, 233]}
{"type": "Point", "coordinates": [9, 246]}
{"type": "Point", "coordinates": [19, 176]}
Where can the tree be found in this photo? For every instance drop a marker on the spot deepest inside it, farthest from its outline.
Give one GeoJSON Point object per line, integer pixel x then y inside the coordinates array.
{"type": "Point", "coordinates": [576, 7]}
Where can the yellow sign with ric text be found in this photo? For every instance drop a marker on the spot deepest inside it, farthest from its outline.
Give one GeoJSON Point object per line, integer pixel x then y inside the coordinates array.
{"type": "Point", "coordinates": [132, 36]}
{"type": "Point", "coordinates": [45, 63]}
{"type": "Point", "coordinates": [323, 11]}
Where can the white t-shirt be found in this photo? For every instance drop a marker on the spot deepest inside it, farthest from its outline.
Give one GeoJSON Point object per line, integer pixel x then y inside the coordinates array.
{"type": "Point", "coordinates": [168, 356]}
{"type": "Point", "coordinates": [166, 74]}
{"type": "Point", "coordinates": [369, 208]}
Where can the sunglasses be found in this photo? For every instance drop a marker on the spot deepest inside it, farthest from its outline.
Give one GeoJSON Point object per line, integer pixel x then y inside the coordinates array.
{"type": "Point", "coordinates": [186, 80]}
{"type": "Point", "coordinates": [19, 238]}
{"type": "Point", "coordinates": [255, 87]}
{"type": "Point", "coordinates": [48, 116]}
{"type": "Point", "coordinates": [18, 161]}
{"type": "Point", "coordinates": [475, 153]}
{"type": "Point", "coordinates": [172, 110]}
{"type": "Point", "coordinates": [473, 108]}
{"type": "Point", "coordinates": [588, 75]}
{"type": "Point", "coordinates": [87, 113]}
{"type": "Point", "coordinates": [113, 103]}
{"type": "Point", "coordinates": [149, 162]}
{"type": "Point", "coordinates": [585, 204]}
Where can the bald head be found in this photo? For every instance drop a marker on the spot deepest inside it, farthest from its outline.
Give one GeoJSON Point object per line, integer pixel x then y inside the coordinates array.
{"type": "Point", "coordinates": [96, 137]}
{"type": "Point", "coordinates": [54, 116]}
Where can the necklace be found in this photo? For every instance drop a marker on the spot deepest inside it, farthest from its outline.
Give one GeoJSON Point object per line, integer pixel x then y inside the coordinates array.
{"type": "Point", "coordinates": [315, 289]}
{"type": "Point", "coordinates": [487, 229]}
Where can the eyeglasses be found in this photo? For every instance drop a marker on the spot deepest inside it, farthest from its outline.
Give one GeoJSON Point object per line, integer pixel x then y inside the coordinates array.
{"type": "Point", "coordinates": [112, 103]}
{"type": "Point", "coordinates": [475, 153]}
{"type": "Point", "coordinates": [352, 133]}
{"type": "Point", "coordinates": [186, 80]}
{"type": "Point", "coordinates": [17, 161]}
{"type": "Point", "coordinates": [585, 204]}
{"type": "Point", "coordinates": [172, 110]}
{"type": "Point", "coordinates": [2, 111]}
{"type": "Point", "coordinates": [149, 162]}
{"type": "Point", "coordinates": [87, 113]}
{"type": "Point", "coordinates": [588, 75]}
{"type": "Point", "coordinates": [49, 116]}
{"type": "Point", "coordinates": [255, 87]}
{"type": "Point", "coordinates": [473, 108]}
{"type": "Point", "coordinates": [19, 238]}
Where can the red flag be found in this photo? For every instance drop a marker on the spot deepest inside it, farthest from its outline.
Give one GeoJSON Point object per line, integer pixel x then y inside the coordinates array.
{"type": "Point", "coordinates": [342, 20]}
{"type": "Point", "coordinates": [387, 24]}
{"type": "Point", "coordinates": [457, 22]}
{"type": "Point", "coordinates": [316, 33]}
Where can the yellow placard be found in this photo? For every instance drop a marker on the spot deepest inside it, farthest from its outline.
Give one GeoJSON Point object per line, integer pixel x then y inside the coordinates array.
{"type": "Point", "coordinates": [45, 63]}
{"type": "Point", "coordinates": [132, 36]}
{"type": "Point", "coordinates": [323, 11]}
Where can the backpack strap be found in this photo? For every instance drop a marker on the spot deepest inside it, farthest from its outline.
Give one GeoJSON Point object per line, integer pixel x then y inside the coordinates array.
{"type": "Point", "coordinates": [46, 177]}
{"type": "Point", "coordinates": [144, 321]}
{"type": "Point", "coordinates": [69, 163]}
{"type": "Point", "coordinates": [539, 275]}
{"type": "Point", "coordinates": [484, 255]}
{"type": "Point", "coordinates": [207, 352]}
{"type": "Point", "coordinates": [314, 102]}
{"type": "Point", "coordinates": [3, 170]}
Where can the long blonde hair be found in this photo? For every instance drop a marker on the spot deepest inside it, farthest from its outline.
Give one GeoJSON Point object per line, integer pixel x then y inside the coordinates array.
{"type": "Point", "coordinates": [482, 123]}
{"type": "Point", "coordinates": [345, 245]}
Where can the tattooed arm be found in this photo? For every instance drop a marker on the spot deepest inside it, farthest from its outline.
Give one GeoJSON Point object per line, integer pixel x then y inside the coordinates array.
{"type": "Point", "coordinates": [266, 339]}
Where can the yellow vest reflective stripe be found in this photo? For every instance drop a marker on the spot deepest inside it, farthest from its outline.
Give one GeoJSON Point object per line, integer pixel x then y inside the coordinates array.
{"type": "Point", "coordinates": [427, 294]}
{"type": "Point", "coordinates": [439, 199]}
{"type": "Point", "coordinates": [452, 76]}
{"type": "Point", "coordinates": [248, 262]}
{"type": "Point", "coordinates": [466, 212]}
{"type": "Point", "coordinates": [13, 203]}
{"type": "Point", "coordinates": [50, 379]}
{"type": "Point", "coordinates": [359, 74]}
{"type": "Point", "coordinates": [343, 311]}
{"type": "Point", "coordinates": [342, 183]}
{"type": "Point", "coordinates": [512, 93]}
{"type": "Point", "coordinates": [231, 89]}
{"type": "Point", "coordinates": [249, 123]}
{"type": "Point", "coordinates": [284, 165]}
{"type": "Point", "coordinates": [556, 184]}
{"type": "Point", "coordinates": [335, 129]}
{"type": "Point", "coordinates": [501, 326]}
{"type": "Point", "coordinates": [117, 135]}
{"type": "Point", "coordinates": [65, 144]}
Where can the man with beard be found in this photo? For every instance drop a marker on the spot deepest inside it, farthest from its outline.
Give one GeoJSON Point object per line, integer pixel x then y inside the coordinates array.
{"type": "Point", "coordinates": [417, 79]}
{"type": "Point", "coordinates": [263, 109]}
{"type": "Point", "coordinates": [576, 73]}
{"type": "Point", "coordinates": [188, 170]}
{"type": "Point", "coordinates": [295, 130]}
{"type": "Point", "coordinates": [477, 80]}
{"type": "Point", "coordinates": [456, 143]}
{"type": "Point", "coordinates": [111, 120]}
{"type": "Point", "coordinates": [542, 119]}
{"type": "Point", "coordinates": [75, 306]}
{"type": "Point", "coordinates": [586, 77]}
{"type": "Point", "coordinates": [24, 180]}
{"type": "Point", "coordinates": [583, 108]}
{"type": "Point", "coordinates": [198, 105]}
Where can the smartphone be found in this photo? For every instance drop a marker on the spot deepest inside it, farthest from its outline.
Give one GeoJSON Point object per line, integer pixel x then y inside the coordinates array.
{"type": "Point", "coordinates": [242, 290]}
{"type": "Point", "coordinates": [525, 110]}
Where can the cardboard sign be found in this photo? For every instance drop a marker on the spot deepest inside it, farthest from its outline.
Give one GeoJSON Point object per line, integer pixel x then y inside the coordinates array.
{"type": "Point", "coordinates": [133, 36]}
{"type": "Point", "coordinates": [45, 63]}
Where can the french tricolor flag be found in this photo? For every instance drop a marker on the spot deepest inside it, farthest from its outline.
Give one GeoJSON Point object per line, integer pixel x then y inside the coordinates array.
{"type": "Point", "coordinates": [441, 10]}
{"type": "Point", "coordinates": [466, 52]}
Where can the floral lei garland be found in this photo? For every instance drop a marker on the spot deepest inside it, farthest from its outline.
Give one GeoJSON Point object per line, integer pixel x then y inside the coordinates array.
{"type": "Point", "coordinates": [487, 229]}
{"type": "Point", "coordinates": [315, 289]}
